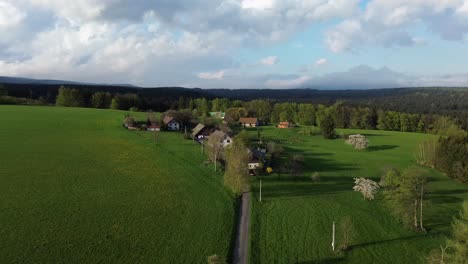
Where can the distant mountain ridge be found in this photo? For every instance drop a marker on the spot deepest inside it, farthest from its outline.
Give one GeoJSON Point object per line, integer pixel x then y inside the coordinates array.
{"type": "Point", "coordinates": [21, 80]}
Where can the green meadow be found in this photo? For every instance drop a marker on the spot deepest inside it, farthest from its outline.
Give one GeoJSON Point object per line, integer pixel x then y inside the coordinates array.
{"type": "Point", "coordinates": [293, 223]}
{"type": "Point", "coordinates": [75, 187]}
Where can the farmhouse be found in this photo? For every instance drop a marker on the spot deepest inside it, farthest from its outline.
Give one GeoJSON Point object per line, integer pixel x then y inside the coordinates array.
{"type": "Point", "coordinates": [257, 158]}
{"type": "Point", "coordinates": [249, 121]}
{"type": "Point", "coordinates": [284, 125]}
{"type": "Point", "coordinates": [226, 139]}
{"type": "Point", "coordinates": [219, 115]}
{"type": "Point", "coordinates": [200, 132]}
{"type": "Point", "coordinates": [171, 124]}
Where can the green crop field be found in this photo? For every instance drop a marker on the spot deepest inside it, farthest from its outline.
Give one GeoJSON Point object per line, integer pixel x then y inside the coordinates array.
{"type": "Point", "coordinates": [75, 187]}
{"type": "Point", "coordinates": [293, 224]}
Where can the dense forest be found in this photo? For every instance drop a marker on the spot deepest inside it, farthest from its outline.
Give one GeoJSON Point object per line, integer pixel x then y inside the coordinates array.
{"type": "Point", "coordinates": [452, 102]}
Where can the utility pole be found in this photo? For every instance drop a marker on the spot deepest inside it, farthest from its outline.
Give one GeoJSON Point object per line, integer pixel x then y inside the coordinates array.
{"type": "Point", "coordinates": [260, 190]}
{"type": "Point", "coordinates": [333, 237]}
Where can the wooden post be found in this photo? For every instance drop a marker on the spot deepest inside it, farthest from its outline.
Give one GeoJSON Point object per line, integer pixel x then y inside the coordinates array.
{"type": "Point", "coordinates": [260, 190]}
{"type": "Point", "coordinates": [333, 237]}
{"type": "Point", "coordinates": [215, 160]}
{"type": "Point", "coordinates": [421, 208]}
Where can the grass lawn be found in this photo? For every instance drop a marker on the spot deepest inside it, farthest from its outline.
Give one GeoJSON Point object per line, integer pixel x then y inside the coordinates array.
{"type": "Point", "coordinates": [293, 223]}
{"type": "Point", "coordinates": [75, 187]}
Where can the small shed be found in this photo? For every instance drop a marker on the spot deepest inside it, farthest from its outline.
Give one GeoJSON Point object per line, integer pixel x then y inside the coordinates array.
{"type": "Point", "coordinates": [284, 125]}
{"type": "Point", "coordinates": [219, 115]}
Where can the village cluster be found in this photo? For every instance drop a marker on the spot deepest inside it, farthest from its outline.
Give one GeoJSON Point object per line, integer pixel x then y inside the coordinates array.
{"type": "Point", "coordinates": [201, 132]}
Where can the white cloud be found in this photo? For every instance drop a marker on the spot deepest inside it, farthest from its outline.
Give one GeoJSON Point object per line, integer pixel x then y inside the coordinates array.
{"type": "Point", "coordinates": [390, 23]}
{"type": "Point", "coordinates": [10, 15]}
{"type": "Point", "coordinates": [321, 62]}
{"type": "Point", "coordinates": [219, 75]}
{"type": "Point", "coordinates": [269, 61]}
{"type": "Point", "coordinates": [257, 4]}
{"type": "Point", "coordinates": [74, 11]}
{"type": "Point", "coordinates": [298, 82]}
{"type": "Point", "coordinates": [341, 37]}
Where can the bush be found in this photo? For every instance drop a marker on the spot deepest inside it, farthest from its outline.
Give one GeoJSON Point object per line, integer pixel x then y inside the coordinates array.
{"type": "Point", "coordinates": [358, 141]}
{"type": "Point", "coordinates": [315, 177]}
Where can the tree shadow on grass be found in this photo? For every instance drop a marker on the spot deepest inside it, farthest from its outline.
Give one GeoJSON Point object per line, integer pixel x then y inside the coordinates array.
{"type": "Point", "coordinates": [291, 189]}
{"type": "Point", "coordinates": [318, 161]}
{"type": "Point", "coordinates": [288, 187]}
{"type": "Point", "coordinates": [381, 147]}
{"type": "Point", "coordinates": [445, 199]}
{"type": "Point", "coordinates": [374, 135]}
{"type": "Point", "coordinates": [394, 240]}
{"type": "Point", "coordinates": [323, 261]}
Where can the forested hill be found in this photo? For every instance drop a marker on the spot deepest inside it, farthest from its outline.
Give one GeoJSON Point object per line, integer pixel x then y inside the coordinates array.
{"type": "Point", "coordinates": [412, 100]}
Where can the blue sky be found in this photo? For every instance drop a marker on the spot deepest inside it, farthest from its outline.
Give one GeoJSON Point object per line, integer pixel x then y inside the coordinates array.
{"type": "Point", "coordinates": [325, 44]}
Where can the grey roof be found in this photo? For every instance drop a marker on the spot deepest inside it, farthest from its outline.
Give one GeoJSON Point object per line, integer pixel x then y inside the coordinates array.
{"type": "Point", "coordinates": [219, 133]}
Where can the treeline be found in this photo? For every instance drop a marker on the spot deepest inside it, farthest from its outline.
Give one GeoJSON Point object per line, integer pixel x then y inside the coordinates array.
{"type": "Point", "coordinates": [452, 102]}
{"type": "Point", "coordinates": [268, 111]}
{"type": "Point", "coordinates": [447, 153]}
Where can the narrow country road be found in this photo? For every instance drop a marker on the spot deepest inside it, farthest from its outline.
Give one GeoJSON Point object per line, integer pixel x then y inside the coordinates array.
{"type": "Point", "coordinates": [241, 253]}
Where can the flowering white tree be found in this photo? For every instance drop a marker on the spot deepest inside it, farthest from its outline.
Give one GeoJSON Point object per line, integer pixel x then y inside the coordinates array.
{"type": "Point", "coordinates": [358, 141]}
{"type": "Point", "coordinates": [367, 187]}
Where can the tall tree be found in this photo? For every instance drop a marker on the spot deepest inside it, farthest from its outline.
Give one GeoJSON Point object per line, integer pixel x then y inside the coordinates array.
{"type": "Point", "coordinates": [215, 147]}
{"type": "Point", "coordinates": [327, 125]}
{"type": "Point", "coordinates": [405, 196]}
{"type": "Point", "coordinates": [305, 114]}
{"type": "Point", "coordinates": [69, 97]}
{"type": "Point", "coordinates": [237, 172]}
{"type": "Point", "coordinates": [3, 90]}
{"type": "Point", "coordinates": [101, 100]}
{"type": "Point", "coordinates": [458, 244]}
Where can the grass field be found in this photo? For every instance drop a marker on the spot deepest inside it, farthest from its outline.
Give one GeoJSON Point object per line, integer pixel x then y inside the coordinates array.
{"type": "Point", "coordinates": [75, 187]}
{"type": "Point", "coordinates": [293, 223]}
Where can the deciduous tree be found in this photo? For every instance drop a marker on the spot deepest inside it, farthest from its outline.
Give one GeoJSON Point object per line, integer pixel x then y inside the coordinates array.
{"type": "Point", "coordinates": [237, 171]}
{"type": "Point", "coordinates": [368, 188]}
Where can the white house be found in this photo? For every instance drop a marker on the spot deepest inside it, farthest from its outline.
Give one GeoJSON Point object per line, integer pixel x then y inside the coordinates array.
{"type": "Point", "coordinates": [226, 140]}
{"type": "Point", "coordinates": [171, 123]}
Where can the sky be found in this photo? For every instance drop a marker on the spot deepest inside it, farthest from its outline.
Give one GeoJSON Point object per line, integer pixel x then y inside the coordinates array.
{"type": "Point", "coordinates": [276, 44]}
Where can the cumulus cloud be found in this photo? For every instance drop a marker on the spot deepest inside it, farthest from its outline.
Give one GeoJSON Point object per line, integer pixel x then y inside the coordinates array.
{"type": "Point", "coordinates": [269, 61]}
{"type": "Point", "coordinates": [219, 75]}
{"type": "Point", "coordinates": [157, 43]}
{"type": "Point", "coordinates": [147, 42]}
{"type": "Point", "coordinates": [257, 4]}
{"type": "Point", "coordinates": [389, 23]}
{"type": "Point", "coordinates": [10, 15]}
